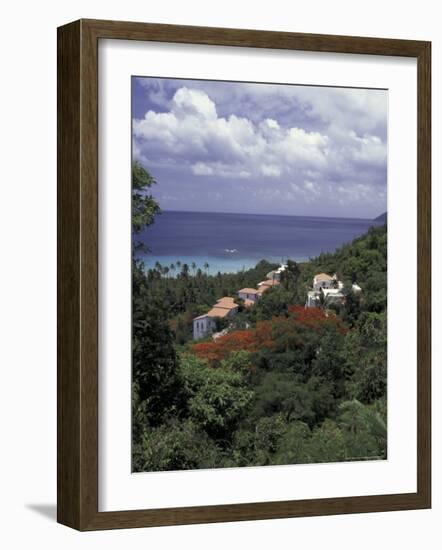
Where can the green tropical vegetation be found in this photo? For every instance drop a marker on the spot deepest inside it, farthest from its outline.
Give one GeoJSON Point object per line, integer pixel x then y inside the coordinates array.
{"type": "Point", "coordinates": [284, 385]}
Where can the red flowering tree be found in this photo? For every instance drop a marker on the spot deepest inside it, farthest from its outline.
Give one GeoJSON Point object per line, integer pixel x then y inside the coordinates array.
{"type": "Point", "coordinates": [248, 340]}
{"type": "Point", "coordinates": [316, 318]}
{"type": "Point", "coordinates": [280, 332]}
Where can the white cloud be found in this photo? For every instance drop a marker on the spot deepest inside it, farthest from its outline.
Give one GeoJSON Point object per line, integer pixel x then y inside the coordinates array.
{"type": "Point", "coordinates": [219, 169]}
{"type": "Point", "coordinates": [201, 169]}
{"type": "Point", "coordinates": [192, 133]}
{"type": "Point", "coordinates": [301, 148]}
{"type": "Point", "coordinates": [270, 170]}
{"type": "Point", "coordinates": [369, 150]}
{"type": "Point", "coordinates": [271, 123]}
{"type": "Point", "coordinates": [194, 103]}
{"type": "Point", "coordinates": [244, 174]}
{"type": "Point", "coordinates": [311, 187]}
{"type": "Point", "coordinates": [316, 145]}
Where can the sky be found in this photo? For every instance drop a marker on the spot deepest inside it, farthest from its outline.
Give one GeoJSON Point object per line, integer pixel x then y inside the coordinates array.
{"type": "Point", "coordinates": [216, 146]}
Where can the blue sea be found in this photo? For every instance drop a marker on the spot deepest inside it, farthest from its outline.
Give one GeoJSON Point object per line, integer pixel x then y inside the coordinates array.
{"type": "Point", "coordinates": [233, 242]}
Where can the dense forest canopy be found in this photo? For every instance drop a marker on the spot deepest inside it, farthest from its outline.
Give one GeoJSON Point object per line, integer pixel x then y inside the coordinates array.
{"type": "Point", "coordinates": [284, 385]}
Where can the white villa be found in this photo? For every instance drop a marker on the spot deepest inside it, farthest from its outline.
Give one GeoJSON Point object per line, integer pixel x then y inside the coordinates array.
{"type": "Point", "coordinates": [313, 298]}
{"type": "Point", "coordinates": [265, 285]}
{"type": "Point", "coordinates": [329, 289]}
{"type": "Point", "coordinates": [332, 296]}
{"type": "Point", "coordinates": [322, 280]}
{"type": "Point", "coordinates": [205, 324]}
{"type": "Point", "coordinates": [248, 295]}
{"type": "Point", "coordinates": [275, 275]}
{"type": "Point", "coordinates": [252, 295]}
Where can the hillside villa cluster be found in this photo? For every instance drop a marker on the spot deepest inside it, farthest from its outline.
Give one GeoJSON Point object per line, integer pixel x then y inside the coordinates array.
{"type": "Point", "coordinates": [326, 291]}
{"type": "Point", "coordinates": [225, 307]}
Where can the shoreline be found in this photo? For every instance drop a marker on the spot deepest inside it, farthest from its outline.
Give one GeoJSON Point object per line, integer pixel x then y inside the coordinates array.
{"type": "Point", "coordinates": [231, 244]}
{"type": "Point", "coordinates": [215, 265]}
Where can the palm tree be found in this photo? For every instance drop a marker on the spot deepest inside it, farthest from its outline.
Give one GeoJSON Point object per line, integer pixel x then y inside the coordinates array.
{"type": "Point", "coordinates": [172, 268]}
{"type": "Point", "coordinates": [206, 267]}
{"type": "Point", "coordinates": [158, 266]}
{"type": "Point", "coordinates": [193, 265]}
{"type": "Point", "coordinates": [185, 270]}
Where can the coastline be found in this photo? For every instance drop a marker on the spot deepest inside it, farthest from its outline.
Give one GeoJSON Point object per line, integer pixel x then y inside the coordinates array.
{"type": "Point", "coordinates": [227, 265]}
{"type": "Point", "coordinates": [231, 243]}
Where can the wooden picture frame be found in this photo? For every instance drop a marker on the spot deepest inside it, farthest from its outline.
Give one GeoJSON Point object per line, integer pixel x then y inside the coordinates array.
{"type": "Point", "coordinates": [78, 274]}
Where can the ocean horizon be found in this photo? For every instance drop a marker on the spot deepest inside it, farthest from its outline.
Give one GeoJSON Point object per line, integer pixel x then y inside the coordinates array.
{"type": "Point", "coordinates": [234, 242]}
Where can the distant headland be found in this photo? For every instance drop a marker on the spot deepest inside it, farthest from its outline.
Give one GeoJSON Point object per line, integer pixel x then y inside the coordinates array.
{"type": "Point", "coordinates": [381, 218]}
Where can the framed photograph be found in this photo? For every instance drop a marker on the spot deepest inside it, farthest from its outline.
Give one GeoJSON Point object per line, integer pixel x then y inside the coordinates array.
{"type": "Point", "coordinates": [243, 274]}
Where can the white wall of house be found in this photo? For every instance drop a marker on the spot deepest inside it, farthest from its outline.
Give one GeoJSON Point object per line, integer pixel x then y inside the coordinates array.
{"type": "Point", "coordinates": [202, 327]}
{"type": "Point", "coordinates": [317, 285]}
{"type": "Point", "coordinates": [312, 299]}
{"type": "Point", "coordinates": [247, 296]}
{"type": "Point", "coordinates": [333, 296]}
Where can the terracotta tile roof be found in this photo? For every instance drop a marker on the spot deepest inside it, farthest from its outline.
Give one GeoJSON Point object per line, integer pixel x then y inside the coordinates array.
{"type": "Point", "coordinates": [249, 303]}
{"type": "Point", "coordinates": [248, 291]}
{"type": "Point", "coordinates": [218, 312]}
{"type": "Point", "coordinates": [323, 277]}
{"type": "Point", "coordinates": [226, 302]}
{"type": "Point", "coordinates": [222, 308]}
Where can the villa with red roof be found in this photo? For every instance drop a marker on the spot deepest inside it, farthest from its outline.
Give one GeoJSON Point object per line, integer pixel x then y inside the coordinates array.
{"type": "Point", "coordinates": [205, 324]}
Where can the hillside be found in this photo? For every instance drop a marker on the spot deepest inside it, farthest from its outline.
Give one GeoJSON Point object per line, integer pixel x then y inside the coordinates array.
{"type": "Point", "coordinates": [381, 218]}
{"type": "Point", "coordinates": [284, 385]}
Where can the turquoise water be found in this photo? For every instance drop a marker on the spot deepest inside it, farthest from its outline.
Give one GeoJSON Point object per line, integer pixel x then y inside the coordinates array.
{"type": "Point", "coordinates": [224, 265]}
